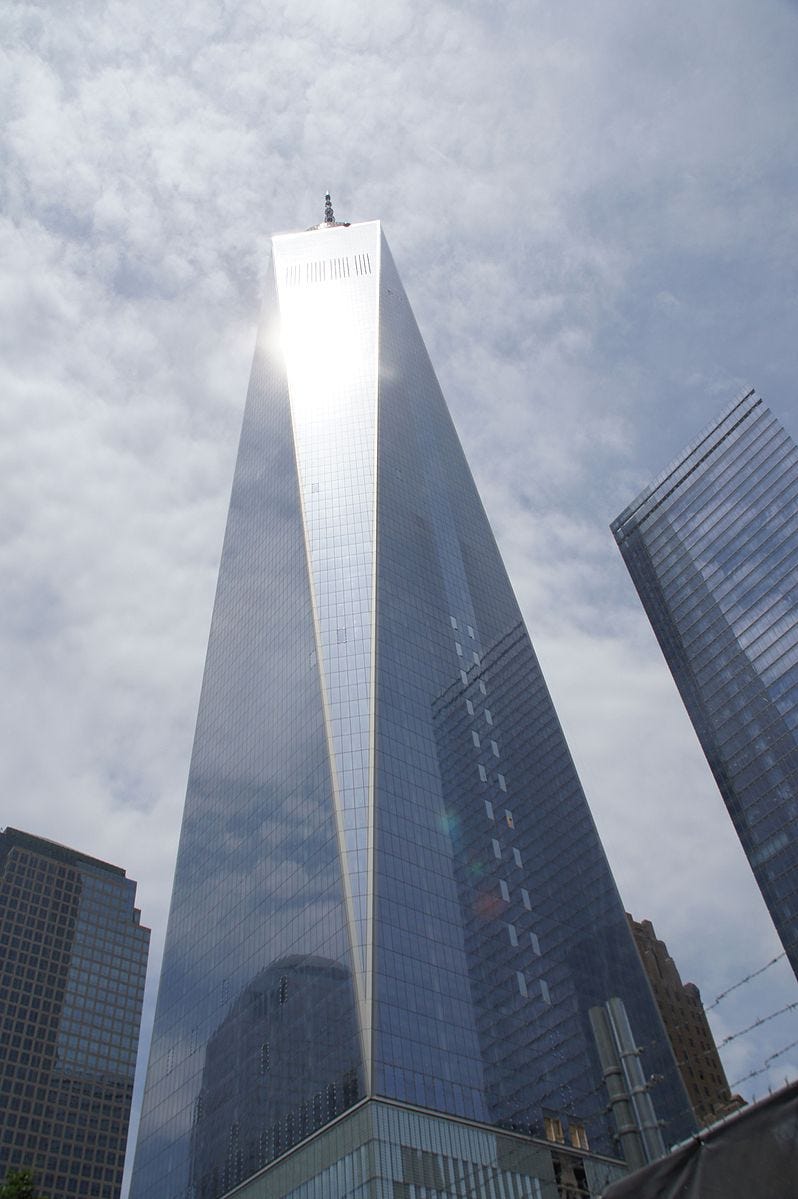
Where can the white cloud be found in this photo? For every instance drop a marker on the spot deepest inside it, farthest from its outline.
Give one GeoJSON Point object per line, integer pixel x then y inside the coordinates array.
{"type": "Point", "coordinates": [592, 209]}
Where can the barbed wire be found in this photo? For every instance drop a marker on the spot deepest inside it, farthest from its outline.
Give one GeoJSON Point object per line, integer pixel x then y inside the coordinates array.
{"type": "Point", "coordinates": [766, 1066]}
{"type": "Point", "coordinates": [757, 1023]}
{"type": "Point", "coordinates": [747, 979]}
{"type": "Point", "coordinates": [582, 1110]}
{"type": "Point", "coordinates": [580, 1104]}
{"type": "Point", "coordinates": [717, 1046]}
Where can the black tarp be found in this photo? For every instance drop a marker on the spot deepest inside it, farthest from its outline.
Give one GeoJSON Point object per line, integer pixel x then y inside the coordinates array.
{"type": "Point", "coordinates": [751, 1155]}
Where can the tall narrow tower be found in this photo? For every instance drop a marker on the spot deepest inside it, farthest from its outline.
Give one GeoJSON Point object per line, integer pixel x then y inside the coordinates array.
{"type": "Point", "coordinates": [390, 895]}
{"type": "Point", "coordinates": [712, 548]}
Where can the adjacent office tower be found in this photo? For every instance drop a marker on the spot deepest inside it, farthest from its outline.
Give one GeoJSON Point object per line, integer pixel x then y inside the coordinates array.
{"type": "Point", "coordinates": [687, 1027]}
{"type": "Point", "coordinates": [73, 956]}
{"type": "Point", "coordinates": [712, 548]}
{"type": "Point", "coordinates": [390, 895]}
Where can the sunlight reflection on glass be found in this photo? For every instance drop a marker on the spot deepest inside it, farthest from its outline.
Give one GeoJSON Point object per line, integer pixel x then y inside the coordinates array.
{"type": "Point", "coordinates": [323, 352]}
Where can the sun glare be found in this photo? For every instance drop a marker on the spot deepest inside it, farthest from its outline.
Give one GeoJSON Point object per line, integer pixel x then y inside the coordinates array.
{"type": "Point", "coordinates": [323, 353]}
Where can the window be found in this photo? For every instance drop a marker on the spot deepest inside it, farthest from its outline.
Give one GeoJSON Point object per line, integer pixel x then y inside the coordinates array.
{"type": "Point", "coordinates": [469, 707]}
{"type": "Point", "coordinates": [533, 937]}
{"type": "Point", "coordinates": [488, 717]}
{"type": "Point", "coordinates": [502, 783]}
{"type": "Point", "coordinates": [459, 649]}
{"type": "Point", "coordinates": [578, 1135]}
{"type": "Point", "coordinates": [544, 991]}
{"type": "Point", "coordinates": [489, 809]}
{"type": "Point", "coordinates": [508, 816]}
{"type": "Point", "coordinates": [512, 934]}
{"type": "Point", "coordinates": [521, 983]}
{"type": "Point", "coordinates": [505, 890]}
{"type": "Point", "coordinates": [470, 630]}
{"type": "Point", "coordinates": [495, 749]}
{"type": "Point", "coordinates": [517, 857]}
{"type": "Point", "coordinates": [553, 1129]}
{"type": "Point", "coordinates": [464, 678]}
{"type": "Point", "coordinates": [482, 687]}
{"type": "Point", "coordinates": [497, 849]}
{"type": "Point", "coordinates": [475, 737]}
{"type": "Point", "coordinates": [525, 899]}
{"type": "Point", "coordinates": [483, 774]}
{"type": "Point", "coordinates": [475, 656]}
{"type": "Point", "coordinates": [453, 622]}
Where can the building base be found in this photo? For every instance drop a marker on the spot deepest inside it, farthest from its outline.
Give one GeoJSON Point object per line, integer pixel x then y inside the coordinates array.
{"type": "Point", "coordinates": [382, 1150]}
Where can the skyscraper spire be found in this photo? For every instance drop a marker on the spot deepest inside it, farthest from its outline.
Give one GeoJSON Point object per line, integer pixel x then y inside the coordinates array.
{"type": "Point", "coordinates": [329, 221]}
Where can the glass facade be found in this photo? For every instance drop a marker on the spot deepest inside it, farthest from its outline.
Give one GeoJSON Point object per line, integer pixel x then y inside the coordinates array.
{"type": "Point", "coordinates": [712, 548]}
{"type": "Point", "coordinates": [73, 957]}
{"type": "Point", "coordinates": [387, 1151]}
{"type": "Point", "coordinates": [388, 882]}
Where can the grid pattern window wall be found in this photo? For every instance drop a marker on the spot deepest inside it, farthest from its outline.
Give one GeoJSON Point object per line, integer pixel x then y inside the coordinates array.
{"type": "Point", "coordinates": [388, 880]}
{"type": "Point", "coordinates": [383, 1151]}
{"type": "Point", "coordinates": [73, 959]}
{"type": "Point", "coordinates": [712, 548]}
{"type": "Point", "coordinates": [497, 921]}
{"type": "Point", "coordinates": [257, 1040]}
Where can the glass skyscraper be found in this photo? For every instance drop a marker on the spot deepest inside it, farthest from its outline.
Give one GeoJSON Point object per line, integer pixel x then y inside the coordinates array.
{"type": "Point", "coordinates": [73, 956]}
{"type": "Point", "coordinates": [389, 885]}
{"type": "Point", "coordinates": [712, 548]}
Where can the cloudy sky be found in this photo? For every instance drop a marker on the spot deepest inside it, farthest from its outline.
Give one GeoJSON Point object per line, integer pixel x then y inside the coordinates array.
{"type": "Point", "coordinates": [593, 209]}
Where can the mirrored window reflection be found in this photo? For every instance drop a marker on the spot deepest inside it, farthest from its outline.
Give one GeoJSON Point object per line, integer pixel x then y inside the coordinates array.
{"type": "Point", "coordinates": [270, 888]}
{"type": "Point", "coordinates": [436, 555]}
{"type": "Point", "coordinates": [711, 549]}
{"type": "Point", "coordinates": [74, 955]}
{"type": "Point", "coordinates": [288, 896]}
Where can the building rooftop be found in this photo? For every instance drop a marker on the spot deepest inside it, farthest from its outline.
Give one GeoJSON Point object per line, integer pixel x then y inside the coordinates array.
{"type": "Point", "coordinates": [11, 837]}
